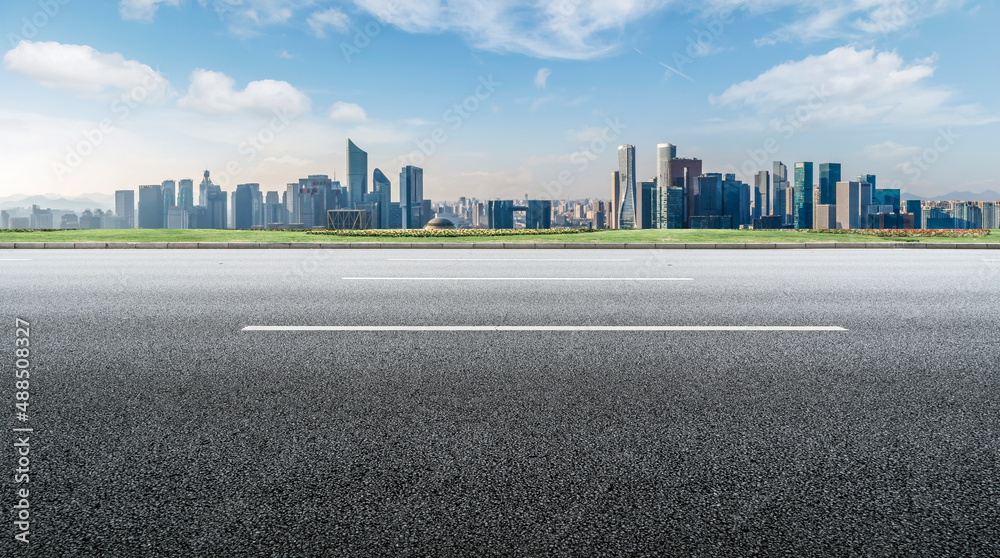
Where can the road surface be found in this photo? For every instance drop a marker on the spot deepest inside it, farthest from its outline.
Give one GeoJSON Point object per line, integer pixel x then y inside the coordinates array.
{"type": "Point", "coordinates": [558, 402]}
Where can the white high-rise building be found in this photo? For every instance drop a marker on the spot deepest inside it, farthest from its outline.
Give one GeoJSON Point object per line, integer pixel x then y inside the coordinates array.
{"type": "Point", "coordinates": [629, 216]}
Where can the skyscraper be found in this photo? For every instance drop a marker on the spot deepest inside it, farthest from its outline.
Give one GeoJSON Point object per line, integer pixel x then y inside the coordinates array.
{"type": "Point", "coordinates": [357, 174]}
{"type": "Point", "coordinates": [185, 194]}
{"type": "Point", "coordinates": [216, 212]}
{"type": "Point", "coordinates": [684, 173]}
{"type": "Point", "coordinates": [630, 204]}
{"type": "Point", "coordinates": [169, 197]}
{"type": "Point", "coordinates": [665, 153]}
{"type": "Point", "coordinates": [616, 201]}
{"type": "Point", "coordinates": [382, 187]}
{"type": "Point", "coordinates": [291, 198]}
{"type": "Point", "coordinates": [646, 195]}
{"type": "Point", "coordinates": [316, 196]}
{"type": "Point", "coordinates": [803, 218]}
{"type": "Point", "coordinates": [853, 199]}
{"type": "Point", "coordinates": [125, 208]}
{"type": "Point", "coordinates": [247, 206]}
{"type": "Point", "coordinates": [203, 189]}
{"type": "Point", "coordinates": [916, 208]}
{"type": "Point", "coordinates": [829, 176]}
{"type": "Point", "coordinates": [762, 194]}
{"type": "Point", "coordinates": [411, 197]}
{"type": "Point", "coordinates": [708, 195]}
{"type": "Point", "coordinates": [151, 214]}
{"type": "Point", "coordinates": [736, 201]}
{"type": "Point", "coordinates": [538, 214]}
{"type": "Point", "coordinates": [779, 189]}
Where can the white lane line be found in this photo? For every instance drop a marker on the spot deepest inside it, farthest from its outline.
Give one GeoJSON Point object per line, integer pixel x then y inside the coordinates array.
{"type": "Point", "coordinates": [506, 260]}
{"type": "Point", "coordinates": [991, 260]}
{"type": "Point", "coordinates": [543, 328]}
{"type": "Point", "coordinates": [13, 260]}
{"type": "Point", "coordinates": [517, 279]}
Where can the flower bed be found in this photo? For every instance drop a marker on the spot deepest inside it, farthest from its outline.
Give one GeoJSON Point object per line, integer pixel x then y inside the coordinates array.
{"type": "Point", "coordinates": [909, 233]}
{"type": "Point", "coordinates": [445, 233]}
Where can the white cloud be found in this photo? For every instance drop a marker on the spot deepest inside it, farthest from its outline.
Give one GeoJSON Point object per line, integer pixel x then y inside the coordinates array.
{"type": "Point", "coordinates": [142, 10]}
{"type": "Point", "coordinates": [333, 17]}
{"type": "Point", "coordinates": [215, 93]}
{"type": "Point", "coordinates": [539, 102]}
{"type": "Point", "coordinates": [285, 55]}
{"type": "Point", "coordinates": [852, 19]}
{"type": "Point", "coordinates": [848, 86]}
{"type": "Point", "coordinates": [82, 70]}
{"type": "Point", "coordinates": [542, 77]}
{"type": "Point", "coordinates": [891, 150]}
{"type": "Point", "coordinates": [568, 29]}
{"type": "Point", "coordinates": [246, 17]}
{"type": "Point", "coordinates": [585, 134]}
{"type": "Point", "coordinates": [347, 112]}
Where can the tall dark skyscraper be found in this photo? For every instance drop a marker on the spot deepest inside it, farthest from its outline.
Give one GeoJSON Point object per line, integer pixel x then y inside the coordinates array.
{"type": "Point", "coordinates": [803, 218]}
{"type": "Point", "coordinates": [736, 201]}
{"type": "Point", "coordinates": [247, 206]}
{"type": "Point", "coordinates": [683, 173]}
{"type": "Point", "coordinates": [357, 174]}
{"type": "Point", "coordinates": [538, 214]}
{"type": "Point", "coordinates": [151, 207]}
{"type": "Point", "coordinates": [411, 197]}
{"type": "Point", "coordinates": [779, 189]}
{"type": "Point", "coordinates": [708, 195]}
{"type": "Point", "coordinates": [829, 176]}
{"type": "Point", "coordinates": [914, 207]}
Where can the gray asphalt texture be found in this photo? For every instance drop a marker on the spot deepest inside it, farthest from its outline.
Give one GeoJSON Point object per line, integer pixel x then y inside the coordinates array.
{"type": "Point", "coordinates": [162, 429]}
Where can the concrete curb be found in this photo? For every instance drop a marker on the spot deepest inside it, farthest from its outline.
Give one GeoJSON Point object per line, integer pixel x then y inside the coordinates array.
{"type": "Point", "coordinates": [493, 245]}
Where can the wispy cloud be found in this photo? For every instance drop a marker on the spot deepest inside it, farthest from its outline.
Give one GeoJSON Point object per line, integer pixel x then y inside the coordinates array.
{"type": "Point", "coordinates": [142, 10]}
{"type": "Point", "coordinates": [542, 77]}
{"type": "Point", "coordinates": [332, 17]}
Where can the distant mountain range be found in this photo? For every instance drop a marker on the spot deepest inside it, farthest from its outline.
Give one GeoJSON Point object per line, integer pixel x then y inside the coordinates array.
{"type": "Point", "coordinates": [988, 195]}
{"type": "Point", "coordinates": [55, 201]}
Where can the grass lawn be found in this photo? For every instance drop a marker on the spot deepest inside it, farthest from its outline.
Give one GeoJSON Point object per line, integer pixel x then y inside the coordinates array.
{"type": "Point", "coordinates": [613, 236]}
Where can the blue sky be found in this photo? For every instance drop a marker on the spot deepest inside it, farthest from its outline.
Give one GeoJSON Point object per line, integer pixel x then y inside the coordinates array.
{"type": "Point", "coordinates": [494, 99]}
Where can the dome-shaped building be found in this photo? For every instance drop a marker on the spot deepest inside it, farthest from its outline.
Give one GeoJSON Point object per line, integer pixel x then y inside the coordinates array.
{"type": "Point", "coordinates": [439, 223]}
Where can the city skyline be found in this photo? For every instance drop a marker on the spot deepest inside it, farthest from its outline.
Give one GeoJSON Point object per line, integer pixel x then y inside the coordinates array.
{"type": "Point", "coordinates": [103, 96]}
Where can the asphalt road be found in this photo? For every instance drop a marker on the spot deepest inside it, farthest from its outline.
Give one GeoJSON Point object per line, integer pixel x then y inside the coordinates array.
{"type": "Point", "coordinates": [162, 427]}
